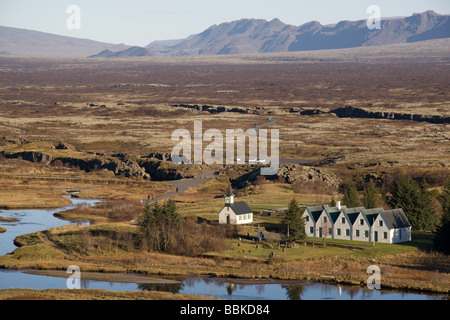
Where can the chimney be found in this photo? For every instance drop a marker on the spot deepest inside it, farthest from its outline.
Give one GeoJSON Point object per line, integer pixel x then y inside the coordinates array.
{"type": "Point", "coordinates": [338, 205]}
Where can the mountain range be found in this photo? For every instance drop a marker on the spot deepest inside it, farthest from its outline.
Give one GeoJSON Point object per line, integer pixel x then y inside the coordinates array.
{"type": "Point", "coordinates": [248, 36]}
{"type": "Point", "coordinates": [244, 36]}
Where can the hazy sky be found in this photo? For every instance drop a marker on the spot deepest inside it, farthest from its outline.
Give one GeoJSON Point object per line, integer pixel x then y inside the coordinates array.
{"type": "Point", "coordinates": [139, 22]}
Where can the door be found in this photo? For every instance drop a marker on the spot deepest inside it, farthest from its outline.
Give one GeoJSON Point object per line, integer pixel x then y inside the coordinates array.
{"type": "Point", "coordinates": [228, 219]}
{"type": "Point", "coordinates": [376, 236]}
{"type": "Point", "coordinates": [320, 232]}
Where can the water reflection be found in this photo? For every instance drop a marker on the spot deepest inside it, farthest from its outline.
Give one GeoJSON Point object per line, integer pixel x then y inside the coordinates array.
{"type": "Point", "coordinates": [233, 290]}
{"type": "Point", "coordinates": [294, 292]}
{"type": "Point", "coordinates": [166, 287]}
{"type": "Point", "coordinates": [226, 289]}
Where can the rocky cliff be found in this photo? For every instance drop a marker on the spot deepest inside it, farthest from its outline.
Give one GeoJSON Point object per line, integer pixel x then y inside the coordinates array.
{"type": "Point", "coordinates": [354, 112]}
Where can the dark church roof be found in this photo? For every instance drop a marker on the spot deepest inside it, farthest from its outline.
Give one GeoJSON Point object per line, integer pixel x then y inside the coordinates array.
{"type": "Point", "coordinates": [240, 207]}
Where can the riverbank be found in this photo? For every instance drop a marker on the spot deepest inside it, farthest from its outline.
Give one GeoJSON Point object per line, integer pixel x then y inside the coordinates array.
{"type": "Point", "coordinates": [88, 294]}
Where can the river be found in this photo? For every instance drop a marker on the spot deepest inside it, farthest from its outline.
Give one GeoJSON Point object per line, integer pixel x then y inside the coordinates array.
{"type": "Point", "coordinates": [226, 289]}
{"type": "Point", "coordinates": [33, 220]}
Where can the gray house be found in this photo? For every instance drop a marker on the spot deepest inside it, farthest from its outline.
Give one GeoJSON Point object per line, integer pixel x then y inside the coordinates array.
{"type": "Point", "coordinates": [371, 225]}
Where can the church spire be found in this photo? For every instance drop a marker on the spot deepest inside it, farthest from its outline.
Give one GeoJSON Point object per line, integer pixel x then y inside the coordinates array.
{"type": "Point", "coordinates": [229, 196]}
{"type": "Point", "coordinates": [229, 191]}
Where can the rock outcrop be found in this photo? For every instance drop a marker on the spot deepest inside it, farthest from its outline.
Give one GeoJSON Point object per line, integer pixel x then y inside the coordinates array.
{"type": "Point", "coordinates": [118, 167]}
{"type": "Point", "coordinates": [290, 173]}
{"type": "Point", "coordinates": [354, 112]}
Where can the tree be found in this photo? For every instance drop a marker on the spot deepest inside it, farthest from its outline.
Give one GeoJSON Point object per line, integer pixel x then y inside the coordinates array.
{"type": "Point", "coordinates": [370, 196]}
{"type": "Point", "coordinates": [294, 221]}
{"type": "Point", "coordinates": [416, 201]}
{"type": "Point", "coordinates": [333, 202]}
{"type": "Point", "coordinates": [351, 199]}
{"type": "Point", "coordinates": [159, 226]}
{"type": "Point", "coordinates": [442, 238]}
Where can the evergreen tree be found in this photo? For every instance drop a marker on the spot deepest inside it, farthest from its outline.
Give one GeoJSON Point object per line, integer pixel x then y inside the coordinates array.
{"type": "Point", "coordinates": [442, 238]}
{"type": "Point", "coordinates": [370, 196]}
{"type": "Point", "coordinates": [416, 201]}
{"type": "Point", "coordinates": [351, 199]}
{"type": "Point", "coordinates": [294, 221]}
{"type": "Point", "coordinates": [159, 225]}
{"type": "Point", "coordinates": [427, 209]}
{"type": "Point", "coordinates": [333, 202]}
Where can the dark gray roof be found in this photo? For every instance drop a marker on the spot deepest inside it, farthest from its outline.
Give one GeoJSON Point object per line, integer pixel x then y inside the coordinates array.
{"type": "Point", "coordinates": [352, 216]}
{"type": "Point", "coordinates": [315, 212]}
{"type": "Point", "coordinates": [371, 214]}
{"type": "Point", "coordinates": [395, 219]}
{"type": "Point", "coordinates": [352, 213]}
{"type": "Point", "coordinates": [333, 212]}
{"type": "Point", "coordinates": [240, 207]}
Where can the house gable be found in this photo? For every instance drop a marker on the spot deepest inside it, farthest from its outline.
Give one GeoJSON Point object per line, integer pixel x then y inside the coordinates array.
{"type": "Point", "coordinates": [361, 228]}
{"type": "Point", "coordinates": [342, 227]}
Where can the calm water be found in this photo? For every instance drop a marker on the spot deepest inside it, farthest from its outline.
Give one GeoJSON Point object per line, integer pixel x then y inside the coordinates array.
{"type": "Point", "coordinates": [32, 220]}
{"type": "Point", "coordinates": [220, 288]}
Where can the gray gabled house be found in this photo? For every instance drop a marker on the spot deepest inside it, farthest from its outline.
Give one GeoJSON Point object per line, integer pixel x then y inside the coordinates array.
{"type": "Point", "coordinates": [372, 225]}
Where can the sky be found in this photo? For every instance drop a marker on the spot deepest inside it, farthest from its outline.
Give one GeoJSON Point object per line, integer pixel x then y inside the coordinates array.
{"type": "Point", "coordinates": [139, 22]}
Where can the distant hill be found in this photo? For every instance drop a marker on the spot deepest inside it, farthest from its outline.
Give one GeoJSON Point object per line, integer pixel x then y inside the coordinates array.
{"type": "Point", "coordinates": [28, 43]}
{"type": "Point", "coordinates": [261, 36]}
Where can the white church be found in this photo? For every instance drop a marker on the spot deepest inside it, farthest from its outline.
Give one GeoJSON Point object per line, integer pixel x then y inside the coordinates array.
{"type": "Point", "coordinates": [235, 212]}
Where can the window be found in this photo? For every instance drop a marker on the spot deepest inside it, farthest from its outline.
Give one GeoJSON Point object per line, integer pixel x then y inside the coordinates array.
{"type": "Point", "coordinates": [347, 232]}
{"type": "Point", "coordinates": [325, 219]}
{"type": "Point", "coordinates": [361, 222]}
{"type": "Point", "coordinates": [311, 230]}
{"type": "Point", "coordinates": [343, 220]}
{"type": "Point", "coordinates": [357, 232]}
{"type": "Point", "coordinates": [338, 231]}
{"type": "Point", "coordinates": [366, 234]}
{"type": "Point", "coordinates": [384, 235]}
{"type": "Point", "coordinates": [380, 223]}
{"type": "Point", "coordinates": [307, 219]}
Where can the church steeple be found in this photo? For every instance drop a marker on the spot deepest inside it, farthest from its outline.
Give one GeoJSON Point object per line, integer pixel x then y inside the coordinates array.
{"type": "Point", "coordinates": [229, 197]}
